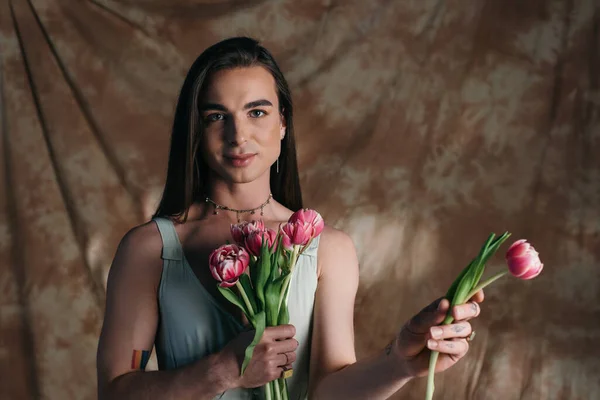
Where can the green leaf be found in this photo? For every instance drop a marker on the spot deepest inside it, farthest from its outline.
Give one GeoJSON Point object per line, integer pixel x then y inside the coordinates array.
{"type": "Point", "coordinates": [480, 267]}
{"type": "Point", "coordinates": [464, 287]}
{"type": "Point", "coordinates": [283, 261]}
{"type": "Point", "coordinates": [277, 258]}
{"type": "Point", "coordinates": [272, 293]}
{"type": "Point", "coordinates": [484, 248]}
{"type": "Point", "coordinates": [490, 251]}
{"type": "Point", "coordinates": [279, 246]}
{"type": "Point", "coordinates": [253, 270]}
{"type": "Point", "coordinates": [259, 325]}
{"type": "Point", "coordinates": [284, 315]}
{"type": "Point", "coordinates": [264, 270]}
{"type": "Point", "coordinates": [232, 297]}
{"type": "Point", "coordinates": [247, 285]}
{"type": "Point", "coordinates": [495, 246]}
{"type": "Point", "coordinates": [452, 291]}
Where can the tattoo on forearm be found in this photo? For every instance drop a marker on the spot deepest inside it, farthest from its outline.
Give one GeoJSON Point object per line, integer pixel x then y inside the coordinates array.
{"type": "Point", "coordinates": [388, 349]}
{"type": "Point", "coordinates": [139, 359]}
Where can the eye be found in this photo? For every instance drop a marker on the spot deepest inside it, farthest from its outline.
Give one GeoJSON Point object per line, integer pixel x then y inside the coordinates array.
{"type": "Point", "coordinates": [257, 113]}
{"type": "Point", "coordinates": [214, 117]}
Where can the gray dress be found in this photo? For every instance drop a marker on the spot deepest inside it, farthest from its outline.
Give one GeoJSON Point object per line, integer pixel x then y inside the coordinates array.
{"type": "Point", "coordinates": [193, 324]}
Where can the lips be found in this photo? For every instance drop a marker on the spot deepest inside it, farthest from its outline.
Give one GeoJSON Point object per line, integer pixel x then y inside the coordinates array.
{"type": "Point", "coordinates": [240, 160]}
{"type": "Point", "coordinates": [240, 157]}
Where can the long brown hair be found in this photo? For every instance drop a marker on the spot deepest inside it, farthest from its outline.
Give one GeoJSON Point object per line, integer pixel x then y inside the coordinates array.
{"type": "Point", "coordinates": [187, 172]}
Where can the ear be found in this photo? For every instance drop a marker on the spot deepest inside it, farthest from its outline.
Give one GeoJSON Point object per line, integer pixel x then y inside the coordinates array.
{"type": "Point", "coordinates": [282, 128]}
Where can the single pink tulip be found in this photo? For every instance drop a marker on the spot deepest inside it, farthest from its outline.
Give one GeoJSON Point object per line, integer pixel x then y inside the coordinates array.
{"type": "Point", "coordinates": [310, 217]}
{"type": "Point", "coordinates": [227, 263]}
{"type": "Point", "coordinates": [523, 261]}
{"type": "Point", "coordinates": [254, 241]}
{"type": "Point", "coordinates": [295, 234]}
{"type": "Point", "coordinates": [240, 231]}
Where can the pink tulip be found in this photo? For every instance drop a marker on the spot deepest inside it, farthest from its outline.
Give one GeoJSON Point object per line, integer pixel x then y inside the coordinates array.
{"type": "Point", "coordinates": [310, 217]}
{"type": "Point", "coordinates": [227, 263]}
{"type": "Point", "coordinates": [254, 240]}
{"type": "Point", "coordinates": [240, 231]}
{"type": "Point", "coordinates": [296, 234]}
{"type": "Point", "coordinates": [523, 261]}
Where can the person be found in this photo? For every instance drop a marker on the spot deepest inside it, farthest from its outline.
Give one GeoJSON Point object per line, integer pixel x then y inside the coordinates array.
{"type": "Point", "coordinates": [233, 157]}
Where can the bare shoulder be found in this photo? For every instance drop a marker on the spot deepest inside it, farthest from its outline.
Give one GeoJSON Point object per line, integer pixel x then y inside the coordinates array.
{"type": "Point", "coordinates": [138, 252]}
{"type": "Point", "coordinates": [333, 239]}
{"type": "Point", "coordinates": [336, 250]}
{"type": "Point", "coordinates": [142, 241]}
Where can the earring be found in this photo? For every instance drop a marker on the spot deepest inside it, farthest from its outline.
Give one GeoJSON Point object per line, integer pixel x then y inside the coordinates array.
{"type": "Point", "coordinates": [277, 164]}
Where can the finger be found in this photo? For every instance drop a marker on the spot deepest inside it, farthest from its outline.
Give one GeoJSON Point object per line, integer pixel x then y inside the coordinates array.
{"type": "Point", "coordinates": [415, 333]}
{"type": "Point", "coordinates": [466, 311]}
{"type": "Point", "coordinates": [280, 332]}
{"type": "Point", "coordinates": [281, 360]}
{"type": "Point", "coordinates": [453, 347]}
{"type": "Point", "coordinates": [291, 357]}
{"type": "Point", "coordinates": [431, 315]}
{"type": "Point", "coordinates": [459, 330]}
{"type": "Point", "coordinates": [285, 346]}
{"type": "Point", "coordinates": [478, 296]}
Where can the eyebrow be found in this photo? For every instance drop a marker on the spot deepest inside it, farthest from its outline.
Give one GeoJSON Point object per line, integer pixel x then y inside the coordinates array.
{"type": "Point", "coordinates": [220, 107]}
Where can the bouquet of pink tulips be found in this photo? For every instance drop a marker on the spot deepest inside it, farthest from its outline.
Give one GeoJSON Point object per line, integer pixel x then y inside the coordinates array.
{"type": "Point", "coordinates": [523, 262]}
{"type": "Point", "coordinates": [270, 258]}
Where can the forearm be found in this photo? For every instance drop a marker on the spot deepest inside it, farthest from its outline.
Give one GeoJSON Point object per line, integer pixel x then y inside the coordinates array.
{"type": "Point", "coordinates": [204, 379]}
{"type": "Point", "coordinates": [377, 377]}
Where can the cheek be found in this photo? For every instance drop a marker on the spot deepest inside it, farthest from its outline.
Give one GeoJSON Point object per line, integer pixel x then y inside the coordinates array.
{"type": "Point", "coordinates": [268, 133]}
{"type": "Point", "coordinates": [212, 140]}
{"type": "Point", "coordinates": [212, 146]}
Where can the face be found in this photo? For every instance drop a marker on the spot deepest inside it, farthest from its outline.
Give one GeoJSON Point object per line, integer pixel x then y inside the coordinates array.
{"type": "Point", "coordinates": [243, 127]}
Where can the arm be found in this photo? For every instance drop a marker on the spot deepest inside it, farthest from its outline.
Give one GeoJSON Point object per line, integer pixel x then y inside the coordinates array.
{"type": "Point", "coordinates": [334, 370]}
{"type": "Point", "coordinates": [130, 323]}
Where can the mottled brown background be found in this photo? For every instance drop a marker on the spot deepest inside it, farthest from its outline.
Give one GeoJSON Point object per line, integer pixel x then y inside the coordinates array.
{"type": "Point", "coordinates": [423, 126]}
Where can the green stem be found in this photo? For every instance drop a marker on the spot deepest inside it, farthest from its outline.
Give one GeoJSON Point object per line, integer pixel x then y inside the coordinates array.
{"type": "Point", "coordinates": [245, 297]}
{"type": "Point", "coordinates": [284, 392]}
{"type": "Point", "coordinates": [433, 361]}
{"type": "Point", "coordinates": [276, 389]}
{"type": "Point", "coordinates": [268, 390]}
{"type": "Point", "coordinates": [286, 282]}
{"type": "Point", "coordinates": [487, 282]}
{"type": "Point", "coordinates": [431, 374]}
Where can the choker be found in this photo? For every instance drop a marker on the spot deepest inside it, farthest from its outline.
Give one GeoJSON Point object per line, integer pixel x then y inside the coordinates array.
{"type": "Point", "coordinates": [238, 212]}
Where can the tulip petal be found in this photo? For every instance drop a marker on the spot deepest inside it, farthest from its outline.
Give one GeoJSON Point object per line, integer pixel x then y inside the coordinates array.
{"type": "Point", "coordinates": [518, 248]}
{"type": "Point", "coordinates": [519, 266]}
{"type": "Point", "coordinates": [228, 284]}
{"type": "Point", "coordinates": [533, 272]}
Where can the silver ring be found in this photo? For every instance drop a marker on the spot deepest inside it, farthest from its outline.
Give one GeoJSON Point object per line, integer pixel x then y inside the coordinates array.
{"type": "Point", "coordinates": [471, 337]}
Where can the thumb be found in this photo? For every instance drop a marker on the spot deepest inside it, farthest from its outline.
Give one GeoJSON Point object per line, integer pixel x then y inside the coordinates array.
{"type": "Point", "coordinates": [414, 334]}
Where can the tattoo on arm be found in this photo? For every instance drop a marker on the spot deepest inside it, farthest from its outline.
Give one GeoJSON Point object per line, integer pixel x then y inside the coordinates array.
{"type": "Point", "coordinates": [388, 348]}
{"type": "Point", "coordinates": [139, 359]}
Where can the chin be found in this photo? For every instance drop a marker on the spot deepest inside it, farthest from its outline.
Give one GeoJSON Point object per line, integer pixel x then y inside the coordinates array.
{"type": "Point", "coordinates": [243, 175]}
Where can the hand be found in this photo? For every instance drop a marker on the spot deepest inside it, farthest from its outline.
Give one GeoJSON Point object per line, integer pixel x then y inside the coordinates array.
{"type": "Point", "coordinates": [417, 338]}
{"type": "Point", "coordinates": [275, 352]}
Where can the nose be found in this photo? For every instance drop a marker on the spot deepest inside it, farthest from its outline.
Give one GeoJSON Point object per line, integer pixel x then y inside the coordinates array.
{"type": "Point", "coordinates": [234, 132]}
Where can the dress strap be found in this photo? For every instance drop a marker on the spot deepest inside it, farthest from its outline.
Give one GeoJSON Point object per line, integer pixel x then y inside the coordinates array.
{"type": "Point", "coordinates": [313, 247]}
{"type": "Point", "coordinates": [172, 249]}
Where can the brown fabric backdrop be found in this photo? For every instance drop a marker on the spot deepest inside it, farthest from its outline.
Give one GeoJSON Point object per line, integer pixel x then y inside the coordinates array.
{"type": "Point", "coordinates": [423, 126]}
